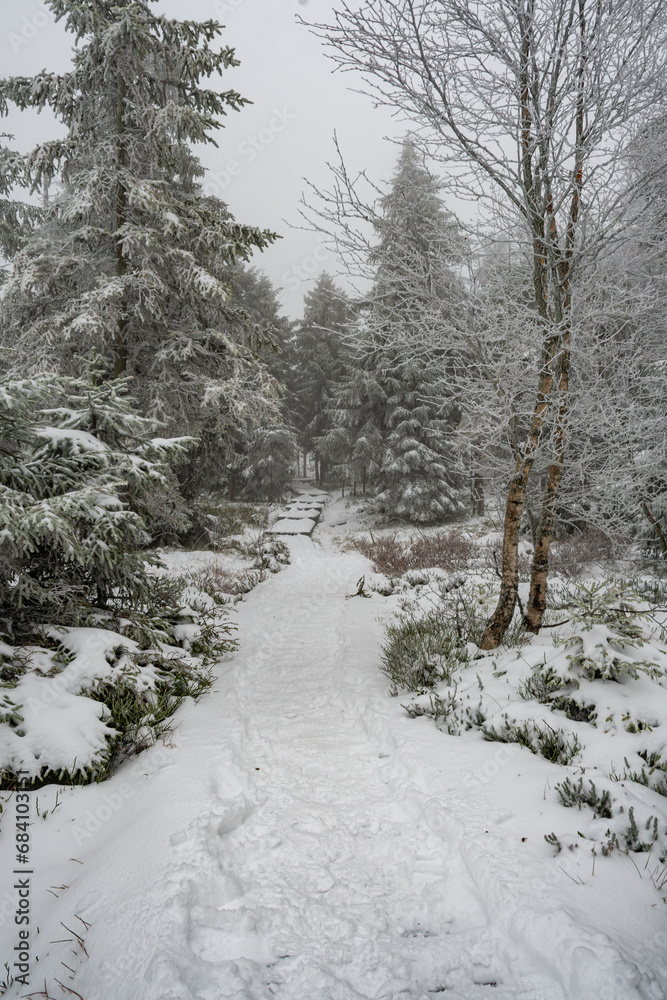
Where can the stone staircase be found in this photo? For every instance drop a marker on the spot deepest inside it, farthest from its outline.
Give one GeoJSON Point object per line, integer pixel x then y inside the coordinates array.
{"type": "Point", "coordinates": [300, 515]}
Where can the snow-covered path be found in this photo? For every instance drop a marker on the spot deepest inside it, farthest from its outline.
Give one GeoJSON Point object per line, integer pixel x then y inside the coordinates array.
{"type": "Point", "coordinates": [305, 839]}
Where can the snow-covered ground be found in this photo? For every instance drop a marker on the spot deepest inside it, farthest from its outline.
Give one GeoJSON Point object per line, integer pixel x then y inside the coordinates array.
{"type": "Point", "coordinates": [301, 838]}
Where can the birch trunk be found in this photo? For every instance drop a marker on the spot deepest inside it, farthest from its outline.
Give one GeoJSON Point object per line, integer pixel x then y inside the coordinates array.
{"type": "Point", "coordinates": [537, 600]}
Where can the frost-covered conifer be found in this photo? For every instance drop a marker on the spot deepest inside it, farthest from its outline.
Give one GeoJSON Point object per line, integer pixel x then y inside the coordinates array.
{"type": "Point", "coordinates": [319, 355]}
{"type": "Point", "coordinates": [270, 463]}
{"type": "Point", "coordinates": [395, 404]}
{"type": "Point", "coordinates": [131, 260]}
{"type": "Point", "coordinates": [76, 466]}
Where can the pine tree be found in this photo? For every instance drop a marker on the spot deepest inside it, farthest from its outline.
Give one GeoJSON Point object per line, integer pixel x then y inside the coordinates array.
{"type": "Point", "coordinates": [416, 290]}
{"type": "Point", "coordinates": [76, 467]}
{"type": "Point", "coordinates": [254, 293]}
{"type": "Point", "coordinates": [131, 260]}
{"type": "Point", "coordinates": [270, 463]}
{"type": "Point", "coordinates": [319, 355]}
{"type": "Point", "coordinates": [395, 404]}
{"type": "Point", "coordinates": [16, 217]}
{"type": "Point", "coordinates": [355, 439]}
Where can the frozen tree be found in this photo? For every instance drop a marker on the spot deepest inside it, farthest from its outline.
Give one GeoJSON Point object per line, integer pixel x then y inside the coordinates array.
{"type": "Point", "coordinates": [415, 289]}
{"type": "Point", "coordinates": [16, 217]}
{"type": "Point", "coordinates": [318, 359]}
{"type": "Point", "coordinates": [270, 462]}
{"type": "Point", "coordinates": [77, 465]}
{"type": "Point", "coordinates": [394, 410]}
{"type": "Point", "coordinates": [131, 260]}
{"type": "Point", "coordinates": [530, 104]}
{"type": "Point", "coordinates": [254, 293]}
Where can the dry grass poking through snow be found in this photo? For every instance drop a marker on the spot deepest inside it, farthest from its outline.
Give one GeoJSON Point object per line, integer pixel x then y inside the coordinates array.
{"type": "Point", "coordinates": [393, 556]}
{"type": "Point", "coordinates": [572, 556]}
{"type": "Point", "coordinates": [216, 579]}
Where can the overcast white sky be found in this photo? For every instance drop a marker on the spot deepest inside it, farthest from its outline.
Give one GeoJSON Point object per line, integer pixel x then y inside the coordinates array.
{"type": "Point", "coordinates": [285, 136]}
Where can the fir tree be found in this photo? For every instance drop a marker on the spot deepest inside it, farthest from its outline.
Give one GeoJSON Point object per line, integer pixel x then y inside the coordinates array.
{"type": "Point", "coordinates": [271, 459]}
{"type": "Point", "coordinates": [396, 404]}
{"type": "Point", "coordinates": [16, 217]}
{"type": "Point", "coordinates": [131, 260]}
{"type": "Point", "coordinates": [319, 355]}
{"type": "Point", "coordinates": [74, 460]}
{"type": "Point", "coordinates": [255, 294]}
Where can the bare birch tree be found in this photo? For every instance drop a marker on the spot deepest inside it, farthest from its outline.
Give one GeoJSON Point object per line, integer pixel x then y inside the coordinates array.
{"type": "Point", "coordinates": [529, 103]}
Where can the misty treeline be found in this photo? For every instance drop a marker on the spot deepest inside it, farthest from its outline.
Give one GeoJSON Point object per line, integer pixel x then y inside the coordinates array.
{"type": "Point", "coordinates": [516, 363]}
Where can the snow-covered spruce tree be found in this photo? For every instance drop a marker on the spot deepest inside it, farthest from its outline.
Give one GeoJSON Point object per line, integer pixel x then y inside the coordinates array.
{"type": "Point", "coordinates": [354, 441]}
{"type": "Point", "coordinates": [16, 217]}
{"type": "Point", "coordinates": [131, 260]}
{"type": "Point", "coordinates": [318, 358]}
{"type": "Point", "coordinates": [415, 298]}
{"type": "Point", "coordinates": [74, 459]}
{"type": "Point", "coordinates": [270, 463]}
{"type": "Point", "coordinates": [254, 293]}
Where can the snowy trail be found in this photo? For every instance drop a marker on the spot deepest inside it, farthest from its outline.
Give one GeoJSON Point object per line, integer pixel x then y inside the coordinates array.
{"type": "Point", "coordinates": [332, 880]}
{"type": "Point", "coordinates": [307, 840]}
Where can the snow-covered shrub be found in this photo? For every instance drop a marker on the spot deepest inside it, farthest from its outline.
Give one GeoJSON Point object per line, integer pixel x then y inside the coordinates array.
{"type": "Point", "coordinates": [269, 553]}
{"type": "Point", "coordinates": [608, 633]}
{"type": "Point", "coordinates": [653, 774]}
{"type": "Point", "coordinates": [571, 556]}
{"type": "Point", "coordinates": [216, 523]}
{"type": "Point", "coordinates": [424, 649]}
{"type": "Point", "coordinates": [97, 650]}
{"type": "Point", "coordinates": [220, 582]}
{"type": "Point", "coordinates": [576, 795]}
{"type": "Point", "coordinates": [590, 698]}
{"type": "Point", "coordinates": [420, 652]}
{"type": "Point", "coordinates": [552, 744]}
{"type": "Point", "coordinates": [76, 701]}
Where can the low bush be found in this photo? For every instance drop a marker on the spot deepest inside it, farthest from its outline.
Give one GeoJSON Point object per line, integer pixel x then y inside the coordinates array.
{"type": "Point", "coordinates": [576, 795]}
{"type": "Point", "coordinates": [105, 686]}
{"type": "Point", "coordinates": [422, 652]}
{"type": "Point", "coordinates": [215, 521]}
{"type": "Point", "coordinates": [424, 649]}
{"type": "Point", "coordinates": [394, 557]}
{"type": "Point", "coordinates": [570, 557]}
{"type": "Point", "coordinates": [552, 744]}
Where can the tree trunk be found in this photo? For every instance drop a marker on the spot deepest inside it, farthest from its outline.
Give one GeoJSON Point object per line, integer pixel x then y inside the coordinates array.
{"type": "Point", "coordinates": [305, 462]}
{"type": "Point", "coordinates": [655, 521]}
{"type": "Point", "coordinates": [477, 494]}
{"type": "Point", "coordinates": [537, 600]}
{"type": "Point", "coordinates": [509, 577]}
{"type": "Point", "coordinates": [532, 523]}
